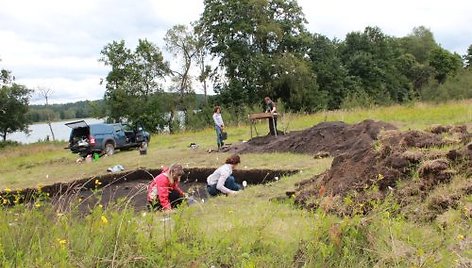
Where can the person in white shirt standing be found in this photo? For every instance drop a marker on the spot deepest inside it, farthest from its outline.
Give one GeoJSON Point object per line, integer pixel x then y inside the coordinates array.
{"type": "Point", "coordinates": [221, 181]}
{"type": "Point", "coordinates": [219, 126]}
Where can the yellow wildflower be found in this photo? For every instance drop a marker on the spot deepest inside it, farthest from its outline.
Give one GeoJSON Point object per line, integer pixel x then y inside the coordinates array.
{"type": "Point", "coordinates": [460, 237]}
{"type": "Point", "coordinates": [62, 242]}
{"type": "Point", "coordinates": [37, 205]}
{"type": "Point", "coordinates": [104, 220]}
{"type": "Point", "coordinates": [7, 190]}
{"type": "Point", "coordinates": [97, 182]}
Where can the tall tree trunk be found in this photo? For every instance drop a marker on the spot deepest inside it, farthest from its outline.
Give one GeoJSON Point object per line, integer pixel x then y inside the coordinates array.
{"type": "Point", "coordinates": [205, 91]}
{"type": "Point", "coordinates": [50, 128]}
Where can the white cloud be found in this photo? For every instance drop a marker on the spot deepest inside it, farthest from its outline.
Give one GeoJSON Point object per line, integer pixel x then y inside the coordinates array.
{"type": "Point", "coordinates": [449, 21]}
{"type": "Point", "coordinates": [56, 44]}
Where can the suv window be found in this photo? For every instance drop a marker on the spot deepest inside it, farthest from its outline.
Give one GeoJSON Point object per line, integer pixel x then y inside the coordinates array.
{"type": "Point", "coordinates": [127, 127]}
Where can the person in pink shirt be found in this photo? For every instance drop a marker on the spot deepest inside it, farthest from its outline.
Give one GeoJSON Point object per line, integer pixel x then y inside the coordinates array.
{"type": "Point", "coordinates": [164, 191]}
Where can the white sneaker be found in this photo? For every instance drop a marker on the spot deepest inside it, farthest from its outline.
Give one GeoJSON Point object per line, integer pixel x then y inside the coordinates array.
{"type": "Point", "coordinates": [244, 184]}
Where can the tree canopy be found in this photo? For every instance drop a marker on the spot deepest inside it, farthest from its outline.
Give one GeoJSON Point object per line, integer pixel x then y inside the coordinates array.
{"type": "Point", "coordinates": [14, 100]}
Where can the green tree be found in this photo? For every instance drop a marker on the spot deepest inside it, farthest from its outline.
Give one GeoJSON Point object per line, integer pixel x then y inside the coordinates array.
{"type": "Point", "coordinates": [372, 60]}
{"type": "Point", "coordinates": [14, 101]}
{"type": "Point", "coordinates": [133, 81]}
{"type": "Point", "coordinates": [331, 75]}
{"type": "Point", "coordinates": [420, 43]}
{"type": "Point", "coordinates": [183, 45]}
{"type": "Point", "coordinates": [295, 82]}
{"type": "Point", "coordinates": [445, 64]}
{"type": "Point", "coordinates": [248, 36]}
{"type": "Point", "coordinates": [468, 57]}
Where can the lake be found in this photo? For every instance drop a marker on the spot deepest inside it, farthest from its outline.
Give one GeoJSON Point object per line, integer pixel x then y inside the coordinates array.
{"type": "Point", "coordinates": [41, 131]}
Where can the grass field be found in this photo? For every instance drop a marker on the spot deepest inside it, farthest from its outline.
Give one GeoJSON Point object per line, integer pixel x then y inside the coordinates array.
{"type": "Point", "coordinates": [251, 229]}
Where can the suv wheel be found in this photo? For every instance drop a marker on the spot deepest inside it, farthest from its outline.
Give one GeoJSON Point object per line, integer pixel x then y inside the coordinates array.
{"type": "Point", "coordinates": [109, 148]}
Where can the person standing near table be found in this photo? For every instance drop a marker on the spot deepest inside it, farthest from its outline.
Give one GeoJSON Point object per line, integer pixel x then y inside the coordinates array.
{"type": "Point", "coordinates": [219, 126]}
{"type": "Point", "coordinates": [270, 108]}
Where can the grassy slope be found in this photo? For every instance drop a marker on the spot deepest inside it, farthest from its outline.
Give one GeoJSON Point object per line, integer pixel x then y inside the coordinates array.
{"type": "Point", "coordinates": [247, 230]}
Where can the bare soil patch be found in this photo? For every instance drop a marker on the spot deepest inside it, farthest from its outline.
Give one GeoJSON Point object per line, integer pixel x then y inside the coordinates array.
{"type": "Point", "coordinates": [374, 159]}
{"type": "Point", "coordinates": [334, 138]}
{"type": "Point", "coordinates": [129, 188]}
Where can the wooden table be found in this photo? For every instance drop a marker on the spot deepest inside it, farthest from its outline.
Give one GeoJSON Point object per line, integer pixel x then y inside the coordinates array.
{"type": "Point", "coordinates": [253, 117]}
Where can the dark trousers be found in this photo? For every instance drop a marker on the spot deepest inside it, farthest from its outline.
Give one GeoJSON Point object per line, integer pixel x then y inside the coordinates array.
{"type": "Point", "coordinates": [273, 125]}
{"type": "Point", "coordinates": [219, 137]}
{"type": "Point", "coordinates": [175, 200]}
{"type": "Point", "coordinates": [230, 183]}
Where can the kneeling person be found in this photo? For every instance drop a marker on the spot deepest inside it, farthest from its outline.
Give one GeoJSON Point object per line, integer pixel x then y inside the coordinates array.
{"type": "Point", "coordinates": [221, 180]}
{"type": "Point", "coordinates": [164, 191]}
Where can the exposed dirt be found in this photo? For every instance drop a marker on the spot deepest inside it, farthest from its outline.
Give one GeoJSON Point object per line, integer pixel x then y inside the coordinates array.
{"type": "Point", "coordinates": [334, 138]}
{"type": "Point", "coordinates": [371, 159]}
{"type": "Point", "coordinates": [414, 157]}
{"type": "Point", "coordinates": [128, 188]}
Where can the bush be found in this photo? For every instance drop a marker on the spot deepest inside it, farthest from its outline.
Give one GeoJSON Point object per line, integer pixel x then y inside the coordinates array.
{"type": "Point", "coordinates": [5, 144]}
{"type": "Point", "coordinates": [455, 88]}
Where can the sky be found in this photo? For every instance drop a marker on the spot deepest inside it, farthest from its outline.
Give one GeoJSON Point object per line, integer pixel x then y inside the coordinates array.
{"type": "Point", "coordinates": [55, 44]}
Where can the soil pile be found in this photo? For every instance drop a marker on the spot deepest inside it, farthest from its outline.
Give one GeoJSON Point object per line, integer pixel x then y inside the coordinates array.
{"type": "Point", "coordinates": [370, 172]}
{"type": "Point", "coordinates": [327, 138]}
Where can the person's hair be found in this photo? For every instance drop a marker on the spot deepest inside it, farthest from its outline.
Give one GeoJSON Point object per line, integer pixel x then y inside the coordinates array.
{"type": "Point", "coordinates": [175, 171]}
{"type": "Point", "coordinates": [216, 108]}
{"type": "Point", "coordinates": [267, 99]}
{"type": "Point", "coordinates": [233, 160]}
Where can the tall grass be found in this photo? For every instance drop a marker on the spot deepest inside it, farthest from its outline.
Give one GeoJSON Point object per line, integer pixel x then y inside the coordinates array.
{"type": "Point", "coordinates": [251, 229]}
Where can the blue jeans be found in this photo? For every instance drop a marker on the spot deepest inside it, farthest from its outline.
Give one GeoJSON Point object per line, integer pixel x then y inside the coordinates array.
{"type": "Point", "coordinates": [219, 140]}
{"type": "Point", "coordinates": [230, 183]}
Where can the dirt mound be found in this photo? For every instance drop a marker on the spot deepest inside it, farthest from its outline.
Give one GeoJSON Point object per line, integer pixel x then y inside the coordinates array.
{"type": "Point", "coordinates": [332, 137]}
{"type": "Point", "coordinates": [372, 171]}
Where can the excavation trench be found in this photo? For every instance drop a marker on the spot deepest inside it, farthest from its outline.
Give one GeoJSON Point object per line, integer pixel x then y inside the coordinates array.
{"type": "Point", "coordinates": [129, 188]}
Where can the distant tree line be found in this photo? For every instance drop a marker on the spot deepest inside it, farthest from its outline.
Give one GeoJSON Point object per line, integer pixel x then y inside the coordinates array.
{"type": "Point", "coordinates": [58, 112]}
{"type": "Point", "coordinates": [248, 49]}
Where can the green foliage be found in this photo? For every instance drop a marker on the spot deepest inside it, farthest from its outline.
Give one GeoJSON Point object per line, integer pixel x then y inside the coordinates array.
{"type": "Point", "coordinates": [468, 57]}
{"type": "Point", "coordinates": [373, 59]}
{"type": "Point", "coordinates": [357, 99]}
{"type": "Point", "coordinates": [182, 44]}
{"type": "Point", "coordinates": [5, 144]}
{"type": "Point", "coordinates": [250, 37]}
{"type": "Point", "coordinates": [133, 79]}
{"type": "Point", "coordinates": [445, 64]}
{"type": "Point", "coordinates": [80, 109]}
{"type": "Point", "coordinates": [331, 75]}
{"type": "Point", "coordinates": [420, 43]}
{"type": "Point", "coordinates": [457, 87]}
{"type": "Point", "coordinates": [14, 101]}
